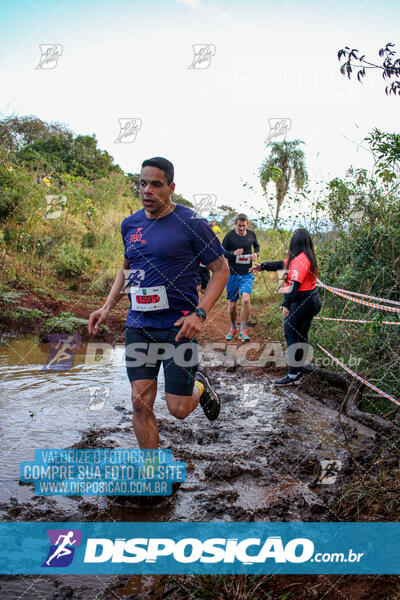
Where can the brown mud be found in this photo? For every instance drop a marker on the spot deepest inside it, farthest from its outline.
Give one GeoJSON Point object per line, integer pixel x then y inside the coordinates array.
{"type": "Point", "coordinates": [260, 461]}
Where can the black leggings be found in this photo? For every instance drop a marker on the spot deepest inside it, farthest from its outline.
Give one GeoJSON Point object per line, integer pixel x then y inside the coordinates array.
{"type": "Point", "coordinates": [297, 326]}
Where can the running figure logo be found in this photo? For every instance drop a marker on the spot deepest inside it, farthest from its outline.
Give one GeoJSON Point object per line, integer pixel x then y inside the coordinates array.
{"type": "Point", "coordinates": [62, 349]}
{"type": "Point", "coordinates": [54, 206]}
{"type": "Point", "coordinates": [330, 469]}
{"type": "Point", "coordinates": [203, 54]}
{"type": "Point", "coordinates": [133, 279]}
{"type": "Point", "coordinates": [282, 287]}
{"type": "Point", "coordinates": [204, 203]}
{"type": "Point", "coordinates": [250, 394]}
{"type": "Point", "coordinates": [61, 551]}
{"type": "Point", "coordinates": [97, 397]}
{"type": "Point", "coordinates": [278, 128]}
{"type": "Point", "coordinates": [50, 54]}
{"type": "Point", "coordinates": [128, 129]}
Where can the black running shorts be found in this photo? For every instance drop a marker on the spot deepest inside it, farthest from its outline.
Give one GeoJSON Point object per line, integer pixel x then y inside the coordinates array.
{"type": "Point", "coordinates": [147, 348]}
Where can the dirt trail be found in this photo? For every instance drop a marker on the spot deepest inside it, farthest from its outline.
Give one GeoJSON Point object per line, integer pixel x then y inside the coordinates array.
{"type": "Point", "coordinates": [260, 461]}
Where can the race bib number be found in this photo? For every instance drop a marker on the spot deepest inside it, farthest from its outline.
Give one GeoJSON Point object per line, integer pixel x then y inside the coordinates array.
{"type": "Point", "coordinates": [244, 259]}
{"type": "Point", "coordinates": [150, 298]}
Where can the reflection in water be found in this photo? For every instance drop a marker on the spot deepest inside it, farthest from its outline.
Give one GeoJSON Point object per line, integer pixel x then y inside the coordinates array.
{"type": "Point", "coordinates": [248, 452]}
{"type": "Point", "coordinates": [49, 409]}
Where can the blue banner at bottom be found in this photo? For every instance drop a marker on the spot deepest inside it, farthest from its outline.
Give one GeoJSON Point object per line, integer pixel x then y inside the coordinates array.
{"type": "Point", "coordinates": [199, 548]}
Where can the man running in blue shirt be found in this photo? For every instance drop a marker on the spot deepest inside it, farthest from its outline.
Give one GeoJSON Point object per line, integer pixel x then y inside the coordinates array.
{"type": "Point", "coordinates": [164, 245]}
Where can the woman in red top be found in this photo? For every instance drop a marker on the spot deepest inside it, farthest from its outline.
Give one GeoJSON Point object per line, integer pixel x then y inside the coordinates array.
{"type": "Point", "coordinates": [301, 301]}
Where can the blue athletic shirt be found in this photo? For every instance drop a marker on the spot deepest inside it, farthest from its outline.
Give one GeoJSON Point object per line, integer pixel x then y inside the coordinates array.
{"type": "Point", "coordinates": [167, 252]}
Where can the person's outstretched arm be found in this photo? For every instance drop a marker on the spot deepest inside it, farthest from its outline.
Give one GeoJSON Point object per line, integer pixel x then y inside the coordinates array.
{"type": "Point", "coordinates": [99, 316]}
{"type": "Point", "coordinates": [275, 265]}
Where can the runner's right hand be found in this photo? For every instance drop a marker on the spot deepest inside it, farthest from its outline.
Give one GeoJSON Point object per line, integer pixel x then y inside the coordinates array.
{"type": "Point", "coordinates": [238, 251]}
{"type": "Point", "coordinates": [255, 269]}
{"type": "Point", "coordinates": [96, 319]}
{"type": "Point", "coordinates": [285, 312]}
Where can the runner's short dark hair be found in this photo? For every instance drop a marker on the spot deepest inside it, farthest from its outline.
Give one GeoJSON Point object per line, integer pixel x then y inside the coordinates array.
{"type": "Point", "coordinates": [241, 217]}
{"type": "Point", "coordinates": [163, 164]}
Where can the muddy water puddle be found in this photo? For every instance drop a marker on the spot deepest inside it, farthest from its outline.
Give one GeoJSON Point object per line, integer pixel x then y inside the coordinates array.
{"type": "Point", "coordinates": [263, 450]}
{"type": "Point", "coordinates": [258, 462]}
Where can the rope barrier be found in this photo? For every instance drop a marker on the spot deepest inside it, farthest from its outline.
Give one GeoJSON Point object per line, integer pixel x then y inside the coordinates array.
{"type": "Point", "coordinates": [364, 302]}
{"type": "Point", "coordinates": [364, 381]}
{"type": "Point", "coordinates": [359, 294]}
{"type": "Point", "coordinates": [359, 321]}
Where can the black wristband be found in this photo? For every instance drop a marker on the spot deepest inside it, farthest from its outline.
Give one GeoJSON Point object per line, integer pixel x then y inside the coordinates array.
{"type": "Point", "coordinates": [200, 312]}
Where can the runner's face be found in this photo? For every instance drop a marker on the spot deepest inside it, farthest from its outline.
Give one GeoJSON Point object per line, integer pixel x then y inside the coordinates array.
{"type": "Point", "coordinates": [155, 191]}
{"type": "Point", "coordinates": [241, 227]}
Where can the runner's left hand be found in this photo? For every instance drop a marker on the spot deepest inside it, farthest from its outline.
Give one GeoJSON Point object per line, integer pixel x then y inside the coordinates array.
{"type": "Point", "coordinates": [285, 312]}
{"type": "Point", "coordinates": [253, 257]}
{"type": "Point", "coordinates": [191, 326]}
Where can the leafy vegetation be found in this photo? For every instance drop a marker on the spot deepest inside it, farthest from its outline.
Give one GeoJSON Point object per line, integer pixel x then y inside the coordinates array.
{"type": "Point", "coordinates": [390, 66]}
{"type": "Point", "coordinates": [65, 322]}
{"type": "Point", "coordinates": [71, 262]}
{"type": "Point", "coordinates": [362, 255]}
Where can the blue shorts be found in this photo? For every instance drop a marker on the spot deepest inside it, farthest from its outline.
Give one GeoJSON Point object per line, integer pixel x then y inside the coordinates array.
{"type": "Point", "coordinates": [147, 348]}
{"type": "Point", "coordinates": [238, 284]}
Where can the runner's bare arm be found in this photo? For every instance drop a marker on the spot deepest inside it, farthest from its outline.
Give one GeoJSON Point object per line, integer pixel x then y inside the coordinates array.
{"type": "Point", "coordinates": [99, 316]}
{"type": "Point", "coordinates": [115, 293]}
{"type": "Point", "coordinates": [192, 324]}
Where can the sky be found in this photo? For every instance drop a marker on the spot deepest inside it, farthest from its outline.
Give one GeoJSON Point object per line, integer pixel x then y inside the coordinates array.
{"type": "Point", "coordinates": [269, 60]}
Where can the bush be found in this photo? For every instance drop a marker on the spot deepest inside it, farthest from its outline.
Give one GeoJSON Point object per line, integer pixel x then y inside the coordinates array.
{"type": "Point", "coordinates": [10, 235]}
{"type": "Point", "coordinates": [8, 296]}
{"type": "Point", "coordinates": [361, 255]}
{"type": "Point", "coordinates": [89, 240]}
{"type": "Point", "coordinates": [101, 284]}
{"type": "Point", "coordinates": [70, 263]}
{"type": "Point", "coordinates": [43, 246]}
{"type": "Point", "coordinates": [31, 313]}
{"type": "Point", "coordinates": [10, 201]}
{"type": "Point", "coordinates": [19, 192]}
{"type": "Point", "coordinates": [65, 322]}
{"type": "Point", "coordinates": [25, 242]}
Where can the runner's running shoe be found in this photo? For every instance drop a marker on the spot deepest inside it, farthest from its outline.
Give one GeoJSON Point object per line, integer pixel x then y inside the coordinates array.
{"type": "Point", "coordinates": [209, 400]}
{"type": "Point", "coordinates": [230, 336]}
{"type": "Point", "coordinates": [243, 336]}
{"type": "Point", "coordinates": [289, 380]}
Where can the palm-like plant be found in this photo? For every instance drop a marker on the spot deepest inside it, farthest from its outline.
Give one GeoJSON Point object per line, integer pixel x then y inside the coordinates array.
{"type": "Point", "coordinates": [284, 165]}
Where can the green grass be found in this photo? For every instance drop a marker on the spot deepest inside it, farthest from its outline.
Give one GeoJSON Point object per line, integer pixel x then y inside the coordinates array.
{"type": "Point", "coordinates": [60, 297]}
{"type": "Point", "coordinates": [9, 296]}
{"type": "Point", "coordinates": [65, 322]}
{"type": "Point", "coordinates": [31, 313]}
